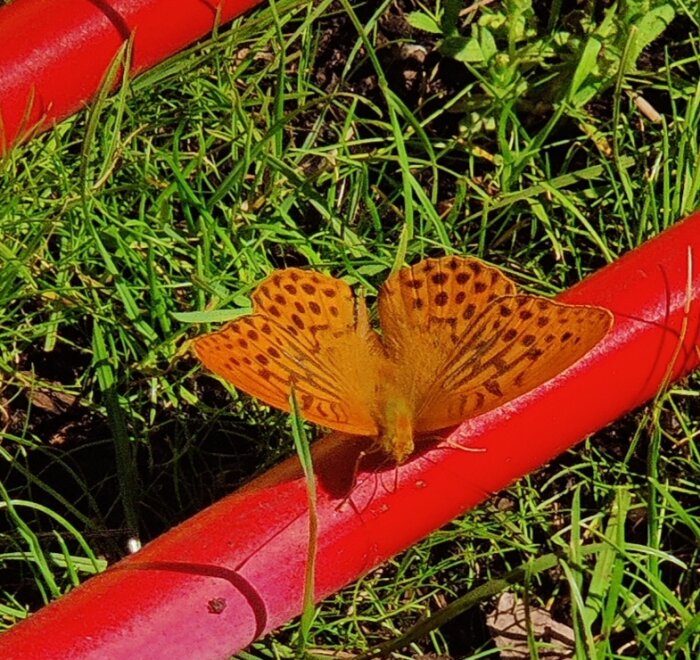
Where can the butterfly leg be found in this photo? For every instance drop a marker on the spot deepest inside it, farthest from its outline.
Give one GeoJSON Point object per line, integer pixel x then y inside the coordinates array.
{"type": "Point", "coordinates": [455, 445]}
{"type": "Point", "coordinates": [442, 442]}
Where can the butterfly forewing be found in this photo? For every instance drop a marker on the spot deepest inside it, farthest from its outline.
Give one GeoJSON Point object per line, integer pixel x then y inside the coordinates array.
{"type": "Point", "coordinates": [305, 303]}
{"type": "Point", "coordinates": [424, 309]}
{"type": "Point", "coordinates": [304, 332]}
{"type": "Point", "coordinates": [464, 342]}
{"type": "Point", "coordinates": [440, 296]}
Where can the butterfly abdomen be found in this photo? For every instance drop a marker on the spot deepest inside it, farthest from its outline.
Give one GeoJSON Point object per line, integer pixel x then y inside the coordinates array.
{"type": "Point", "coordinates": [396, 436]}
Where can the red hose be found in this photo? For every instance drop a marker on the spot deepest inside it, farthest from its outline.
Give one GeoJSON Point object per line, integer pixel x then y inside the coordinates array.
{"type": "Point", "coordinates": [54, 55]}
{"type": "Point", "coordinates": [235, 571]}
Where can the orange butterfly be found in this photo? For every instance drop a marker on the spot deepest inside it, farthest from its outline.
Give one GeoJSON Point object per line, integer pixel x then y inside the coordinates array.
{"type": "Point", "coordinates": [456, 341]}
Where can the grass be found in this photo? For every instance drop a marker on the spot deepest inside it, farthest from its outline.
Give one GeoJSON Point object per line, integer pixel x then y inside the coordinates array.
{"type": "Point", "coordinates": [307, 135]}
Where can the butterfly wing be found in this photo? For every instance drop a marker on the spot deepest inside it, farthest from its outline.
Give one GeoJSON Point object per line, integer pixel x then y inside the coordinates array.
{"type": "Point", "coordinates": [305, 332]}
{"type": "Point", "coordinates": [477, 345]}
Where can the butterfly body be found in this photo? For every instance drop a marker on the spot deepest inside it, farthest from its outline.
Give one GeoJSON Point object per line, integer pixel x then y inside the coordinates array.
{"type": "Point", "coordinates": [455, 340]}
{"type": "Point", "coordinates": [395, 421]}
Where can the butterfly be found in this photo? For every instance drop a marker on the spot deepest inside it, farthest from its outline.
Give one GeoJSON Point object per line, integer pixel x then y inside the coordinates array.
{"type": "Point", "coordinates": [456, 340]}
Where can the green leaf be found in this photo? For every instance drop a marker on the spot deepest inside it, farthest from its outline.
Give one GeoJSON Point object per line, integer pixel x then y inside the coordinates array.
{"type": "Point", "coordinates": [450, 17]}
{"type": "Point", "coordinates": [422, 21]}
{"type": "Point", "coordinates": [487, 44]}
{"type": "Point", "coordinates": [650, 26]}
{"type": "Point", "coordinates": [462, 49]}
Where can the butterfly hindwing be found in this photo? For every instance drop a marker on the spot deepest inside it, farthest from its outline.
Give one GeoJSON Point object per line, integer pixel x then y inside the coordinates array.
{"type": "Point", "coordinates": [517, 344]}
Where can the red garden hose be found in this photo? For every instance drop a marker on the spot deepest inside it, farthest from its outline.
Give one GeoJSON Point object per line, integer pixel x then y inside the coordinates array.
{"type": "Point", "coordinates": [54, 54]}
{"type": "Point", "coordinates": [215, 583]}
